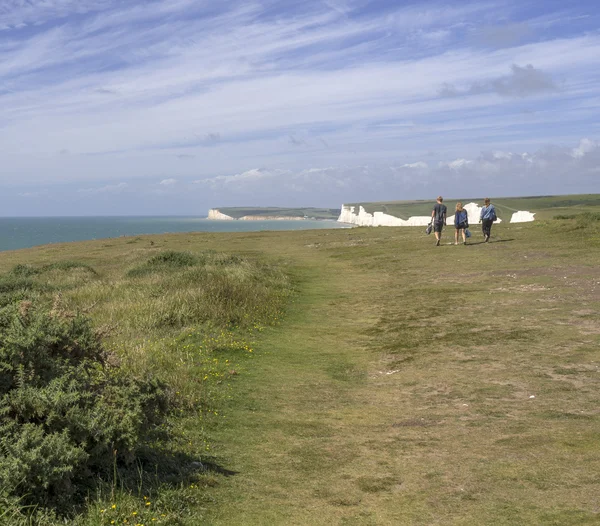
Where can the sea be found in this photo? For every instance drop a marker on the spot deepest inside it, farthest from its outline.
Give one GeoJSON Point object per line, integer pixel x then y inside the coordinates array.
{"type": "Point", "coordinates": [25, 232]}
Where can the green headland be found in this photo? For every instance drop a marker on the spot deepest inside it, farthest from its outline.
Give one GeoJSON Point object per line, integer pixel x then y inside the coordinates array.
{"type": "Point", "coordinates": [274, 211]}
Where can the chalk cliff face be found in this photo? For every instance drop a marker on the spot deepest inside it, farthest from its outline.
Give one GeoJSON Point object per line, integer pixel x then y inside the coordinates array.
{"type": "Point", "coordinates": [522, 217]}
{"type": "Point", "coordinates": [363, 218]}
{"type": "Point", "coordinates": [214, 213]}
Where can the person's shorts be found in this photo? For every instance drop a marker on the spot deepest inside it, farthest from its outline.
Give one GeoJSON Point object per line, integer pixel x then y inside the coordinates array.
{"type": "Point", "coordinates": [461, 226]}
{"type": "Point", "coordinates": [438, 226]}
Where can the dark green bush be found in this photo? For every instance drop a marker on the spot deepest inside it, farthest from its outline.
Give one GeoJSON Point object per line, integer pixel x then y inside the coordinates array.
{"type": "Point", "coordinates": [65, 415]}
{"type": "Point", "coordinates": [173, 259]}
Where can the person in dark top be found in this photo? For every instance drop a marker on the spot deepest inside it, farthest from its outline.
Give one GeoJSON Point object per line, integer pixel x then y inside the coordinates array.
{"type": "Point", "coordinates": [487, 218]}
{"type": "Point", "coordinates": [438, 217]}
{"type": "Point", "coordinates": [461, 223]}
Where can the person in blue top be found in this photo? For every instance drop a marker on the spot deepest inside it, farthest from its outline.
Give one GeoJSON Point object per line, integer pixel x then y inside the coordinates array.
{"type": "Point", "coordinates": [487, 218]}
{"type": "Point", "coordinates": [461, 223]}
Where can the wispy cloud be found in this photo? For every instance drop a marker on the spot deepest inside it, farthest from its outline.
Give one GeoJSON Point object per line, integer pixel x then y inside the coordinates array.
{"type": "Point", "coordinates": [131, 89]}
{"type": "Point", "coordinates": [111, 188]}
{"type": "Point", "coordinates": [522, 82]}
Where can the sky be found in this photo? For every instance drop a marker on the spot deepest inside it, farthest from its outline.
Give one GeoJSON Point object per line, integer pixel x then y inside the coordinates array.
{"type": "Point", "coordinates": [160, 107]}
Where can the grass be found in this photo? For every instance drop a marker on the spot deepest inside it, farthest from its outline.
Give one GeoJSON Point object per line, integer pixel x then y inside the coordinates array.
{"type": "Point", "coordinates": [406, 384]}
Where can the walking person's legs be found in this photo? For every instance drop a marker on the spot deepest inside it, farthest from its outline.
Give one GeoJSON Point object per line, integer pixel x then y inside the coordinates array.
{"type": "Point", "coordinates": [464, 235]}
{"type": "Point", "coordinates": [486, 226]}
{"type": "Point", "coordinates": [437, 229]}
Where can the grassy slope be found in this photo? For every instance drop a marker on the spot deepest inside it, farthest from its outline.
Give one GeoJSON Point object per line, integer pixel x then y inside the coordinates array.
{"type": "Point", "coordinates": [317, 213]}
{"type": "Point", "coordinates": [545, 207]}
{"type": "Point", "coordinates": [398, 389]}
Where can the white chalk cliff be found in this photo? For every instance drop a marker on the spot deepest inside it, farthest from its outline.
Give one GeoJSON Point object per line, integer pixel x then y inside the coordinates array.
{"type": "Point", "coordinates": [364, 218]}
{"type": "Point", "coordinates": [214, 213]}
{"type": "Point", "coordinates": [522, 217]}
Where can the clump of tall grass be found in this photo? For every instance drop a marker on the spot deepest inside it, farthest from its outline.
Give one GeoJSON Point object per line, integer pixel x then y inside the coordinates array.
{"type": "Point", "coordinates": [584, 217]}
{"type": "Point", "coordinates": [23, 280]}
{"type": "Point", "coordinates": [164, 262]}
{"type": "Point", "coordinates": [175, 289]}
{"type": "Point", "coordinates": [29, 270]}
{"type": "Point", "coordinates": [587, 222]}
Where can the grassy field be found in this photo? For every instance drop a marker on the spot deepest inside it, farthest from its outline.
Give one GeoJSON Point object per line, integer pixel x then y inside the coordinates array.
{"type": "Point", "coordinates": [390, 381]}
{"type": "Point", "coordinates": [311, 213]}
{"type": "Point", "coordinates": [544, 207]}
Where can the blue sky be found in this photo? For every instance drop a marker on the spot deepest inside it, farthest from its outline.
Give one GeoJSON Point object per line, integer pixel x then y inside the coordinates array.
{"type": "Point", "coordinates": [173, 107]}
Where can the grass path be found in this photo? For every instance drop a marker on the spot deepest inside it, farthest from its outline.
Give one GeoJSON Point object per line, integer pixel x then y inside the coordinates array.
{"type": "Point", "coordinates": [298, 437]}
{"type": "Point", "coordinates": [377, 402]}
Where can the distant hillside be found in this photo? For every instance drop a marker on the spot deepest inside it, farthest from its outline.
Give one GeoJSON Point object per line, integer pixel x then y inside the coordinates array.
{"type": "Point", "coordinates": [545, 207]}
{"type": "Point", "coordinates": [274, 211]}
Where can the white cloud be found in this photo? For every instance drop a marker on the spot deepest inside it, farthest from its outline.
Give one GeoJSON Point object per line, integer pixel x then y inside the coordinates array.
{"type": "Point", "coordinates": [457, 164]}
{"type": "Point", "coordinates": [585, 146]}
{"type": "Point", "coordinates": [111, 188]}
{"type": "Point", "coordinates": [168, 182]}
{"type": "Point", "coordinates": [249, 176]}
{"type": "Point", "coordinates": [492, 172]}
{"type": "Point", "coordinates": [418, 165]}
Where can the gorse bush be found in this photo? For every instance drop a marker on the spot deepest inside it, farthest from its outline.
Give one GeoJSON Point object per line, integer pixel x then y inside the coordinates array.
{"type": "Point", "coordinates": [65, 415]}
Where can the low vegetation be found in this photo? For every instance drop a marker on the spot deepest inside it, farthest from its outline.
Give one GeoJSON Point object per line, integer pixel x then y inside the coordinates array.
{"type": "Point", "coordinates": [109, 380]}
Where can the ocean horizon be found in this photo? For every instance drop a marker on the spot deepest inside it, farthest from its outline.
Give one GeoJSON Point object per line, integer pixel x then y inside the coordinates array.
{"type": "Point", "coordinates": [26, 232]}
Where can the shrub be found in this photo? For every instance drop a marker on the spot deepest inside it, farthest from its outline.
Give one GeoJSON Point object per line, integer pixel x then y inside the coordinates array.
{"type": "Point", "coordinates": [585, 217]}
{"type": "Point", "coordinates": [63, 411]}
